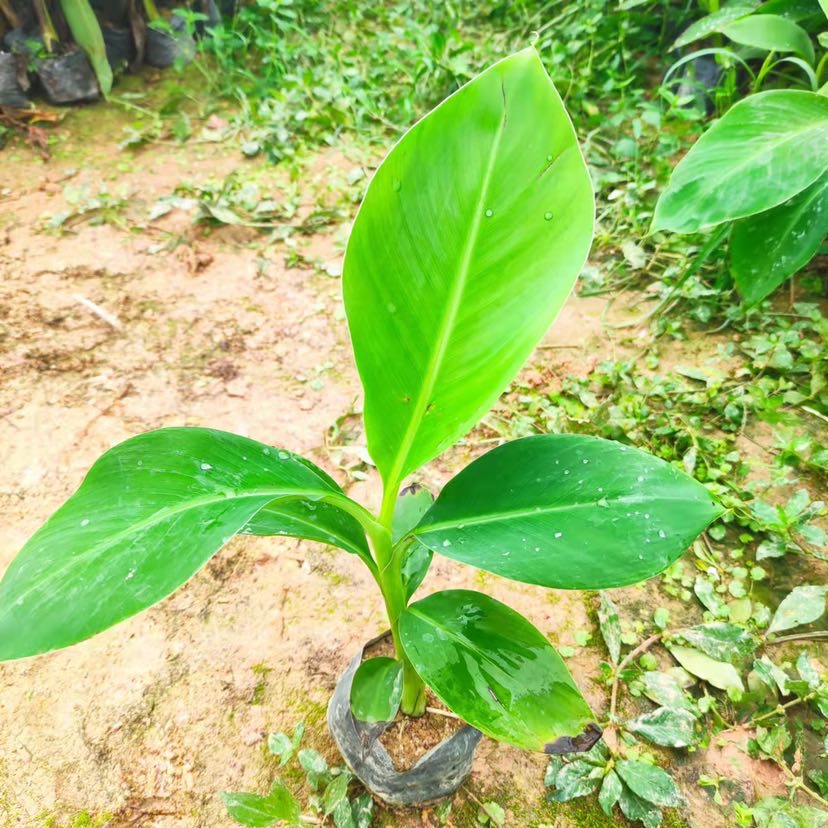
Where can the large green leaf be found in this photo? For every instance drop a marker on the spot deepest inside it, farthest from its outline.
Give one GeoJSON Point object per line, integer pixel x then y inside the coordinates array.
{"type": "Point", "coordinates": [148, 515]}
{"type": "Point", "coordinates": [712, 23]}
{"type": "Point", "coordinates": [260, 811]}
{"type": "Point", "coordinates": [771, 32]}
{"type": "Point", "coordinates": [763, 151]}
{"type": "Point", "coordinates": [767, 248]}
{"type": "Point", "coordinates": [568, 511]}
{"type": "Point", "coordinates": [88, 35]}
{"type": "Point", "coordinates": [466, 246]}
{"type": "Point", "coordinates": [495, 670]}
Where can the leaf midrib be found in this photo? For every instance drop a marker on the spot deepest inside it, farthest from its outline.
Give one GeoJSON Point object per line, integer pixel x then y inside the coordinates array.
{"type": "Point", "coordinates": [767, 148]}
{"type": "Point", "coordinates": [451, 312]}
{"type": "Point", "coordinates": [156, 518]}
{"type": "Point", "coordinates": [535, 511]}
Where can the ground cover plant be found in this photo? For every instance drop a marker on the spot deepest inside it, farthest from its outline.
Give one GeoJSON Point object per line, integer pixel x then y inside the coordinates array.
{"type": "Point", "coordinates": [445, 300]}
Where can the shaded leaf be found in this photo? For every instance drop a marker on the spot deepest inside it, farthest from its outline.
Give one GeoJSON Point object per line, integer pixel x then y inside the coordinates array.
{"type": "Point", "coordinates": [637, 809]}
{"type": "Point", "coordinates": [769, 247]}
{"type": "Point", "coordinates": [711, 23]}
{"type": "Point", "coordinates": [773, 676]}
{"type": "Point", "coordinates": [772, 33]}
{"type": "Point", "coordinates": [376, 690]}
{"type": "Point", "coordinates": [718, 673]}
{"type": "Point", "coordinates": [573, 780]}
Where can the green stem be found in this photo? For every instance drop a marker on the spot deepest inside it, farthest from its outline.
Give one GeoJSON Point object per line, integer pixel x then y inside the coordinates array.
{"type": "Point", "coordinates": [389, 578]}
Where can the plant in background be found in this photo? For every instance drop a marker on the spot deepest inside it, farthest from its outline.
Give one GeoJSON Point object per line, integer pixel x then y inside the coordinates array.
{"type": "Point", "coordinates": [466, 246]}
{"type": "Point", "coordinates": [717, 689]}
{"type": "Point", "coordinates": [759, 175]}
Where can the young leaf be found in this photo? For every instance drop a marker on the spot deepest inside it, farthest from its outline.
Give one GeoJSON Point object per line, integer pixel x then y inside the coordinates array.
{"type": "Point", "coordinates": [569, 512]}
{"type": "Point", "coordinates": [718, 673]}
{"type": "Point", "coordinates": [801, 606]}
{"type": "Point", "coordinates": [284, 746]}
{"type": "Point", "coordinates": [767, 148]}
{"type": "Point", "coordinates": [610, 792]}
{"type": "Point", "coordinates": [771, 32]}
{"type": "Point", "coordinates": [377, 689]}
{"type": "Point", "coordinates": [466, 246]}
{"type": "Point", "coordinates": [259, 811]}
{"type": "Point", "coordinates": [666, 727]}
{"type": "Point", "coordinates": [650, 783]}
{"type": "Point", "coordinates": [415, 566]}
{"type": "Point", "coordinates": [767, 248]}
{"type": "Point", "coordinates": [88, 35]}
{"type": "Point", "coordinates": [724, 642]}
{"type": "Point", "coordinates": [149, 514]}
{"type": "Point", "coordinates": [495, 670]}
{"type": "Point", "coordinates": [413, 502]}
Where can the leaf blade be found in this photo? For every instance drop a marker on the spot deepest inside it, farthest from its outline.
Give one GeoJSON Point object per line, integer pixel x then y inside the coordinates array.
{"type": "Point", "coordinates": [531, 509]}
{"type": "Point", "coordinates": [428, 292]}
{"type": "Point", "coordinates": [149, 514]}
{"type": "Point", "coordinates": [494, 669]}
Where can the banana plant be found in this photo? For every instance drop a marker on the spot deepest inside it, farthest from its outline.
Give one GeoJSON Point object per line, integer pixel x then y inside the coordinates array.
{"type": "Point", "coordinates": [88, 35]}
{"type": "Point", "coordinates": [759, 174]}
{"type": "Point", "coordinates": [468, 242]}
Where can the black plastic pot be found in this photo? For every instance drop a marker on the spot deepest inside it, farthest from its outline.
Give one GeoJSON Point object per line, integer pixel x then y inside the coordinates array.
{"type": "Point", "coordinates": [11, 94]}
{"type": "Point", "coordinates": [163, 49]}
{"type": "Point", "coordinates": [439, 773]}
{"type": "Point", "coordinates": [68, 78]}
{"type": "Point", "coordinates": [120, 47]}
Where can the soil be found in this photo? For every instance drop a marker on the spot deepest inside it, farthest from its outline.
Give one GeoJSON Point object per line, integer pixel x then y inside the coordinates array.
{"type": "Point", "coordinates": [107, 331]}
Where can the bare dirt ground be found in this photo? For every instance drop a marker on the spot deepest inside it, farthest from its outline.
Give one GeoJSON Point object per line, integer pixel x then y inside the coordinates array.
{"type": "Point", "coordinates": [148, 721]}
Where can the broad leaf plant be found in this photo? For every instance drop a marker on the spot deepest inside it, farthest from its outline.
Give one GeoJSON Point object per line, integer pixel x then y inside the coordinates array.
{"type": "Point", "coordinates": [467, 244]}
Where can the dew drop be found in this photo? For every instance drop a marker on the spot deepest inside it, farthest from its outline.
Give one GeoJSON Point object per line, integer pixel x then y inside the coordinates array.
{"type": "Point", "coordinates": [662, 533]}
{"type": "Point", "coordinates": [585, 461]}
{"type": "Point", "coordinates": [283, 455]}
{"type": "Point", "coordinates": [206, 467]}
{"type": "Point", "coordinates": [489, 213]}
{"type": "Point", "coordinates": [547, 216]}
{"type": "Point", "coordinates": [85, 522]}
{"type": "Point", "coordinates": [558, 534]}
{"type": "Point", "coordinates": [603, 502]}
{"type": "Point", "coordinates": [446, 543]}
{"type": "Point", "coordinates": [566, 471]}
{"type": "Point", "coordinates": [391, 307]}
{"type": "Point", "coordinates": [396, 184]}
{"type": "Point", "coordinates": [549, 157]}
{"type": "Point", "coordinates": [537, 549]}
{"type": "Point", "coordinates": [130, 575]}
{"type": "Point", "coordinates": [640, 478]}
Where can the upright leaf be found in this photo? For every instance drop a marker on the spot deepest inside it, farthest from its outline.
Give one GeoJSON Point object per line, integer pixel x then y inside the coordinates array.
{"type": "Point", "coordinates": [377, 689]}
{"type": "Point", "coordinates": [496, 671]}
{"type": "Point", "coordinates": [610, 627]}
{"type": "Point", "coordinates": [802, 605]}
{"type": "Point", "coordinates": [88, 35]}
{"type": "Point", "coordinates": [466, 246]}
{"type": "Point", "coordinates": [767, 248]}
{"type": "Point", "coordinates": [771, 32]}
{"type": "Point", "coordinates": [149, 514]}
{"type": "Point", "coordinates": [763, 151]}
{"type": "Point", "coordinates": [568, 511]}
